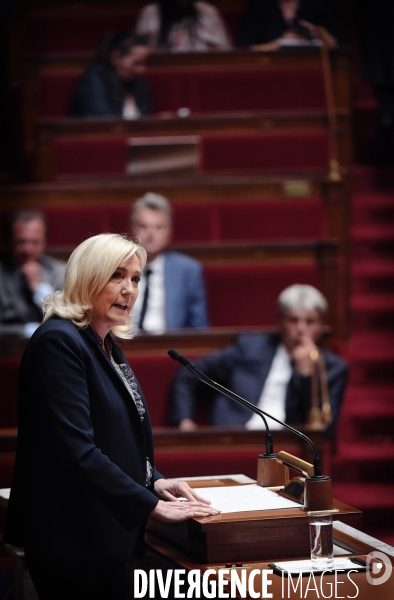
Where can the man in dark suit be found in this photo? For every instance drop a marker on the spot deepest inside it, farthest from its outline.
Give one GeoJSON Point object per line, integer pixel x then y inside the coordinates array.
{"type": "Point", "coordinates": [27, 274]}
{"type": "Point", "coordinates": [273, 371]}
{"type": "Point", "coordinates": [172, 290]}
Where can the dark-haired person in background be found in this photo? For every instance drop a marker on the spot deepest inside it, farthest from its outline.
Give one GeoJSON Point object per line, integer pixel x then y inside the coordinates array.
{"type": "Point", "coordinates": [27, 274]}
{"type": "Point", "coordinates": [183, 26]}
{"type": "Point", "coordinates": [272, 21]}
{"type": "Point", "coordinates": [112, 85]}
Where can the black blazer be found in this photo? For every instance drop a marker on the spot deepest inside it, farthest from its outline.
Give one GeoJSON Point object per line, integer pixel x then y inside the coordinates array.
{"type": "Point", "coordinates": [79, 482]}
{"type": "Point", "coordinates": [243, 368]}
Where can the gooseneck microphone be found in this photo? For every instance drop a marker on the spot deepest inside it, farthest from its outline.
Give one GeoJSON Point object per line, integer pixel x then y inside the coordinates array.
{"type": "Point", "coordinates": [185, 362]}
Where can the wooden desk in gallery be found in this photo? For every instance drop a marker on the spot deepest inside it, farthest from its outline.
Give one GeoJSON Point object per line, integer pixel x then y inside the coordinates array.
{"type": "Point", "coordinates": [260, 540]}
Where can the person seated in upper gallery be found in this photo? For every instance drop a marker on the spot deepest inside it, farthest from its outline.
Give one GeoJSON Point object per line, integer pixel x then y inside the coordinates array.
{"type": "Point", "coordinates": [277, 372]}
{"type": "Point", "coordinates": [172, 291]}
{"type": "Point", "coordinates": [183, 26]}
{"type": "Point", "coordinates": [270, 24]}
{"type": "Point", "coordinates": [112, 85]}
{"type": "Point", "coordinates": [27, 274]}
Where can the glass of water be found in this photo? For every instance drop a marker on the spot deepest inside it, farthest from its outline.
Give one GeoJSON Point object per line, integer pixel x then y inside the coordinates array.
{"type": "Point", "coordinates": [321, 538]}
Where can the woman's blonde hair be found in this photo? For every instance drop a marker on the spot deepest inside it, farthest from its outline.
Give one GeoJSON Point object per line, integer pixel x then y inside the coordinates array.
{"type": "Point", "coordinates": [89, 268]}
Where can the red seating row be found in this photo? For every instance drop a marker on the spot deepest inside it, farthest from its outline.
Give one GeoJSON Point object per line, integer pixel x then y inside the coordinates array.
{"type": "Point", "coordinates": [60, 33]}
{"type": "Point", "coordinates": [205, 91]}
{"type": "Point", "coordinates": [196, 222]}
{"type": "Point", "coordinates": [72, 33]}
{"type": "Point", "coordinates": [289, 151]}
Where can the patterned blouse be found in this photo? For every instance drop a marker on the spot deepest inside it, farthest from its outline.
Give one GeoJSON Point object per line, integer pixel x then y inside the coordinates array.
{"type": "Point", "coordinates": [208, 33]}
{"type": "Point", "coordinates": [127, 376]}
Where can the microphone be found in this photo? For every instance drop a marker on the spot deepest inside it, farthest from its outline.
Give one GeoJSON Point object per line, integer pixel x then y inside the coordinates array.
{"type": "Point", "coordinates": [185, 362]}
{"type": "Point", "coordinates": [316, 497]}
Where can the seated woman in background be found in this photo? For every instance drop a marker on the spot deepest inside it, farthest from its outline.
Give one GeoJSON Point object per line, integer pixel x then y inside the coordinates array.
{"type": "Point", "coordinates": [183, 26]}
{"type": "Point", "coordinates": [112, 84]}
{"type": "Point", "coordinates": [268, 24]}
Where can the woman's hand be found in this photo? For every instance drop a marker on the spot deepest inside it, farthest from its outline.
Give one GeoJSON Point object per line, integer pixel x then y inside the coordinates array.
{"type": "Point", "coordinates": [174, 510]}
{"type": "Point", "coordinates": [180, 510]}
{"type": "Point", "coordinates": [187, 425]}
{"type": "Point", "coordinates": [169, 489]}
{"type": "Point", "coordinates": [267, 47]}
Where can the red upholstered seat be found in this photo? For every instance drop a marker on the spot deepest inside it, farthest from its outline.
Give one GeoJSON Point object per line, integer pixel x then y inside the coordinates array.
{"type": "Point", "coordinates": [156, 388]}
{"type": "Point", "coordinates": [283, 219]}
{"type": "Point", "coordinates": [257, 89]}
{"type": "Point", "coordinates": [192, 222]}
{"type": "Point", "coordinates": [196, 222]}
{"type": "Point", "coordinates": [263, 152]}
{"type": "Point", "coordinates": [54, 93]}
{"type": "Point", "coordinates": [204, 91]}
{"type": "Point", "coordinates": [106, 157]}
{"type": "Point", "coordinates": [70, 225]}
{"type": "Point", "coordinates": [81, 32]}
{"type": "Point", "coordinates": [72, 33]}
{"type": "Point", "coordinates": [246, 295]}
{"type": "Point", "coordinates": [211, 462]}
{"type": "Point", "coordinates": [99, 157]}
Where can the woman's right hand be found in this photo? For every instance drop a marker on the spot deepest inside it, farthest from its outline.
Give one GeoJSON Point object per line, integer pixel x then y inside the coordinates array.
{"type": "Point", "coordinates": [180, 510]}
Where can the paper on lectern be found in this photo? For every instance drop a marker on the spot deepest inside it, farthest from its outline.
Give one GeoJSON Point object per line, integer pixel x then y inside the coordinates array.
{"type": "Point", "coordinates": [244, 498]}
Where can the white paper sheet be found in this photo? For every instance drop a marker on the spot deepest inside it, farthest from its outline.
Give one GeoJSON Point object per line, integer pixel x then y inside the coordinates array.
{"type": "Point", "coordinates": [244, 498]}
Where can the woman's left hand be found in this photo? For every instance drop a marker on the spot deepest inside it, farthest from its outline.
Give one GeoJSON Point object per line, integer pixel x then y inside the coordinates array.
{"type": "Point", "coordinates": [168, 489]}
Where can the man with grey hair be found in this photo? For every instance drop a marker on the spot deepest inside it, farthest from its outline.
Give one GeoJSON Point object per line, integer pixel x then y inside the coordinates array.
{"type": "Point", "coordinates": [27, 274]}
{"type": "Point", "coordinates": [172, 290]}
{"type": "Point", "coordinates": [273, 371]}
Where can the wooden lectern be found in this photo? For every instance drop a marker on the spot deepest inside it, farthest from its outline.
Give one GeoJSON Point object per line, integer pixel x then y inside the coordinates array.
{"type": "Point", "coordinates": [243, 536]}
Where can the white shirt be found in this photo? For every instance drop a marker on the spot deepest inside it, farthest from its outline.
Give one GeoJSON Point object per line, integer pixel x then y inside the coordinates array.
{"type": "Point", "coordinates": [130, 108]}
{"type": "Point", "coordinates": [155, 316]}
{"type": "Point", "coordinates": [273, 396]}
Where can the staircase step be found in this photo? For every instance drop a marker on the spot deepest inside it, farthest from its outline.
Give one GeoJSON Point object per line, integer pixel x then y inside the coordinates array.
{"type": "Point", "coordinates": [369, 400]}
{"type": "Point", "coordinates": [372, 232]}
{"type": "Point", "coordinates": [359, 451]}
{"type": "Point", "coordinates": [373, 179]}
{"type": "Point", "coordinates": [363, 462]}
{"type": "Point", "coordinates": [371, 358]}
{"type": "Point", "coordinates": [373, 208]}
{"type": "Point", "coordinates": [372, 277]}
{"type": "Point", "coordinates": [363, 496]}
{"type": "Point", "coordinates": [371, 312]}
{"type": "Point", "coordinates": [372, 346]}
{"type": "Point", "coordinates": [368, 415]}
{"type": "Point", "coordinates": [372, 302]}
{"type": "Point", "coordinates": [373, 241]}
